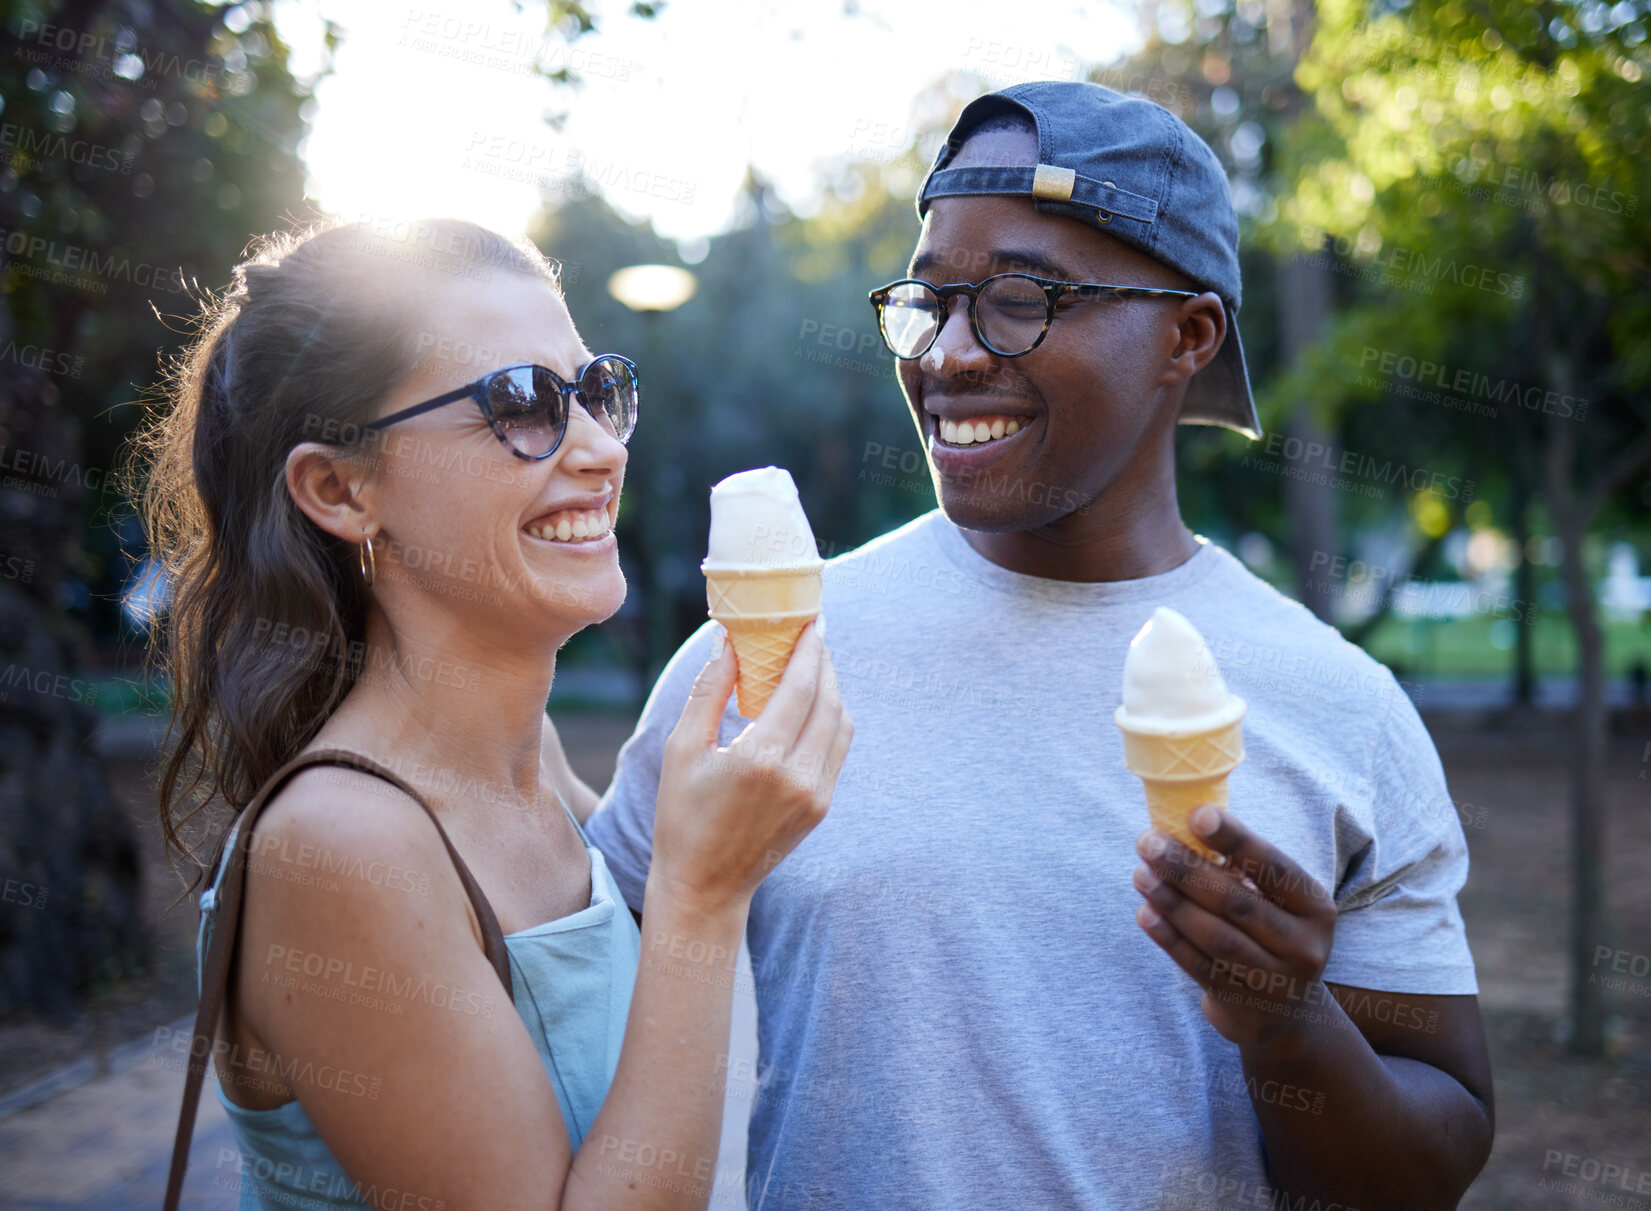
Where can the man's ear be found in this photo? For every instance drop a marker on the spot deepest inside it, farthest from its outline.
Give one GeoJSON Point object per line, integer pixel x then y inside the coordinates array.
{"type": "Point", "coordinates": [331, 489]}
{"type": "Point", "coordinates": [1200, 327]}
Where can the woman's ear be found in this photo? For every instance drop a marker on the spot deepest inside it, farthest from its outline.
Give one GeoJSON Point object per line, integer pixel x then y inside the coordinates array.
{"type": "Point", "coordinates": [331, 489]}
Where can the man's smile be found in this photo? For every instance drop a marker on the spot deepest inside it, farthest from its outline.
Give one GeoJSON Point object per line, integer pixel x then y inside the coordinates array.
{"type": "Point", "coordinates": [964, 435]}
{"type": "Point", "coordinates": [979, 430]}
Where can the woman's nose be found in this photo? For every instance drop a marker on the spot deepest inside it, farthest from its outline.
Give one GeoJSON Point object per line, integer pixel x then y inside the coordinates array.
{"type": "Point", "coordinates": [591, 444]}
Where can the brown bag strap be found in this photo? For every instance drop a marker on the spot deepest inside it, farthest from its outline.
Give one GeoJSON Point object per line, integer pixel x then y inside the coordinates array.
{"type": "Point", "coordinates": [221, 952]}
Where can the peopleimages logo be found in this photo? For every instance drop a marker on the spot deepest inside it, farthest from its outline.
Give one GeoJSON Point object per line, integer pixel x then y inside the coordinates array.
{"type": "Point", "coordinates": [40, 357]}
{"type": "Point", "coordinates": [1369, 584]}
{"type": "Point", "coordinates": [47, 470]}
{"type": "Point", "coordinates": [75, 258]}
{"type": "Point", "coordinates": [1447, 269]}
{"type": "Point", "coordinates": [459, 37]}
{"type": "Point", "coordinates": [1593, 1171]}
{"type": "Point", "coordinates": [1464, 382]}
{"type": "Point", "coordinates": [49, 144]}
{"type": "Point", "coordinates": [1310, 460]}
{"type": "Point", "coordinates": [1511, 179]}
{"type": "Point", "coordinates": [1406, 268]}
{"type": "Point", "coordinates": [1593, 197]}
{"type": "Point", "coordinates": [97, 56]}
{"type": "Point", "coordinates": [373, 987]}
{"type": "Point", "coordinates": [569, 170]}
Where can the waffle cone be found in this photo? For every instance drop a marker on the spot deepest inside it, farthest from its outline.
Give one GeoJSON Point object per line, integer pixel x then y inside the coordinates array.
{"type": "Point", "coordinates": [1182, 770]}
{"type": "Point", "coordinates": [764, 610]}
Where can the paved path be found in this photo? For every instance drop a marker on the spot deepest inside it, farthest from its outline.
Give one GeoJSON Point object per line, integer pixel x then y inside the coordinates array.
{"type": "Point", "coordinates": [104, 1142]}
{"type": "Point", "coordinates": [105, 1145]}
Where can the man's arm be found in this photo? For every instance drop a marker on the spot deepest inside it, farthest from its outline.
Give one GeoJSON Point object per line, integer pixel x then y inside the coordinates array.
{"type": "Point", "coordinates": [1359, 1101]}
{"type": "Point", "coordinates": [622, 825]}
{"type": "Point", "coordinates": [1407, 1116]}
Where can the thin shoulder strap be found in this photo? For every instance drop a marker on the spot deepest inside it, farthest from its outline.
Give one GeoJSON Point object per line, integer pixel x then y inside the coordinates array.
{"type": "Point", "coordinates": [577, 827]}
{"type": "Point", "coordinates": [221, 953]}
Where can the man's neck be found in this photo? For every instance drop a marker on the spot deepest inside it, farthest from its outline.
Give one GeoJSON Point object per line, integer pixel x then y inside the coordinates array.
{"type": "Point", "coordinates": [1091, 548]}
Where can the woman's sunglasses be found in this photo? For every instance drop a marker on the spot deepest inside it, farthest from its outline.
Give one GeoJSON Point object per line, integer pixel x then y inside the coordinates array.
{"type": "Point", "coordinates": [527, 406]}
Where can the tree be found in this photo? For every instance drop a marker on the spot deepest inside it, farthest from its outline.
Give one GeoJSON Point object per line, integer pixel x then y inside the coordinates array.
{"type": "Point", "coordinates": [1488, 163]}
{"type": "Point", "coordinates": [143, 144]}
{"type": "Point", "coordinates": [776, 359]}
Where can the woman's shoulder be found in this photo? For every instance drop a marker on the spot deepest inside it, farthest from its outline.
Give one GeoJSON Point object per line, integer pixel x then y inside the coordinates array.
{"type": "Point", "coordinates": [342, 829]}
{"type": "Point", "coordinates": [345, 862]}
{"type": "Point", "coordinates": [346, 803]}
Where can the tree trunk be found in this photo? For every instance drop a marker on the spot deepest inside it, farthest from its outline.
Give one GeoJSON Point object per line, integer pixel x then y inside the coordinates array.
{"type": "Point", "coordinates": [1588, 804]}
{"type": "Point", "coordinates": [1588, 818]}
{"type": "Point", "coordinates": [1524, 678]}
{"type": "Point", "coordinates": [68, 855]}
{"type": "Point", "coordinates": [1304, 305]}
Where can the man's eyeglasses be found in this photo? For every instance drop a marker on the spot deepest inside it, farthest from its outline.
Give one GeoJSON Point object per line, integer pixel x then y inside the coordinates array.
{"type": "Point", "coordinates": [527, 406]}
{"type": "Point", "coordinates": [1009, 312]}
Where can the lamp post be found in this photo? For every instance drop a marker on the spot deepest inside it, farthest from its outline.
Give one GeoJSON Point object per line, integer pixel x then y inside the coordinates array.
{"type": "Point", "coordinates": [652, 290]}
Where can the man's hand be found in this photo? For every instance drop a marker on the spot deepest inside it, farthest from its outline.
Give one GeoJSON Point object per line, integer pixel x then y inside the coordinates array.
{"type": "Point", "coordinates": [1388, 1115]}
{"type": "Point", "coordinates": [1253, 933]}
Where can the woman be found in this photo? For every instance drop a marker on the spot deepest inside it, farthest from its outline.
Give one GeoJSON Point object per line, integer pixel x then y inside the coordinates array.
{"type": "Point", "coordinates": [386, 492]}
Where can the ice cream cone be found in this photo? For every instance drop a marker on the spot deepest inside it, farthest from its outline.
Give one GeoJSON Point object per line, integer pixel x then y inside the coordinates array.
{"type": "Point", "coordinates": [1181, 770]}
{"type": "Point", "coordinates": [764, 610]}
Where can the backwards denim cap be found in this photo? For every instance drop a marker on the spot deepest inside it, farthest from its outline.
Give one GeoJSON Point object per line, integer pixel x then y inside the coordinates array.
{"type": "Point", "coordinates": [1132, 169]}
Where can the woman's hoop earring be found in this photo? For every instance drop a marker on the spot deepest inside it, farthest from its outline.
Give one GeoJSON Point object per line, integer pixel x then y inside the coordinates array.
{"type": "Point", "coordinates": [368, 559]}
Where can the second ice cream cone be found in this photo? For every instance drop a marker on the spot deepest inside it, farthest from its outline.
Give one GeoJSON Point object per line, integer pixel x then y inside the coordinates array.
{"type": "Point", "coordinates": [1181, 770]}
{"type": "Point", "coordinates": [764, 610]}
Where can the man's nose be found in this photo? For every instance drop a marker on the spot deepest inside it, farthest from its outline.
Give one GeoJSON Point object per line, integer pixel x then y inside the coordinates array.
{"type": "Point", "coordinates": [956, 338]}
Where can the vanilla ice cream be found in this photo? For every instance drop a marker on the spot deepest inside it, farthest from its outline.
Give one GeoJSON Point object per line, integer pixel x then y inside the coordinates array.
{"type": "Point", "coordinates": [1171, 683]}
{"type": "Point", "coordinates": [762, 576]}
{"type": "Point", "coordinates": [757, 519]}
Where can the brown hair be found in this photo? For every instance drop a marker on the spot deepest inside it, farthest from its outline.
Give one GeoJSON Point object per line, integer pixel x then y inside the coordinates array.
{"type": "Point", "coordinates": [315, 328]}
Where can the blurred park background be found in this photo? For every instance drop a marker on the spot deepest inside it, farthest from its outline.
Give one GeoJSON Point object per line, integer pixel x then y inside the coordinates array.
{"type": "Point", "coordinates": [1446, 212]}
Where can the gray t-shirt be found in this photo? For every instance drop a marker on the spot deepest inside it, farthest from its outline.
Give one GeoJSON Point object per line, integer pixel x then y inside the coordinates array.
{"type": "Point", "coordinates": [956, 1006]}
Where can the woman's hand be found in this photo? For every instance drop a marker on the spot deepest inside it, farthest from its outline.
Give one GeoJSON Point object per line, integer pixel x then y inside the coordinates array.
{"type": "Point", "coordinates": [726, 816]}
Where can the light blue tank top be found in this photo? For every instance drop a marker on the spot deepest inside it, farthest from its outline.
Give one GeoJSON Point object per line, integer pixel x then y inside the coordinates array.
{"type": "Point", "coordinates": [572, 979]}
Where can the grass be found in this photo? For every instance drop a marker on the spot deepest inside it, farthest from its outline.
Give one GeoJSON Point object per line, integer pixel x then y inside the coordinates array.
{"type": "Point", "coordinates": [1464, 647]}
{"type": "Point", "coordinates": [1468, 647]}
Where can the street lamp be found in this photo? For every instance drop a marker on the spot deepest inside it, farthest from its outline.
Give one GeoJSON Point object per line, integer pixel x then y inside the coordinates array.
{"type": "Point", "coordinates": [653, 287]}
{"type": "Point", "coordinates": [653, 290]}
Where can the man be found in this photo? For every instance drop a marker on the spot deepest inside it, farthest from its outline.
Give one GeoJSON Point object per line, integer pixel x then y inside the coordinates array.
{"type": "Point", "coordinates": [955, 1008]}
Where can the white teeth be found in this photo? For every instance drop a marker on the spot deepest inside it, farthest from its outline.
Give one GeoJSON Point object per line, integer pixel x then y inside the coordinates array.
{"type": "Point", "coordinates": [973, 432]}
{"type": "Point", "coordinates": [574, 527]}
